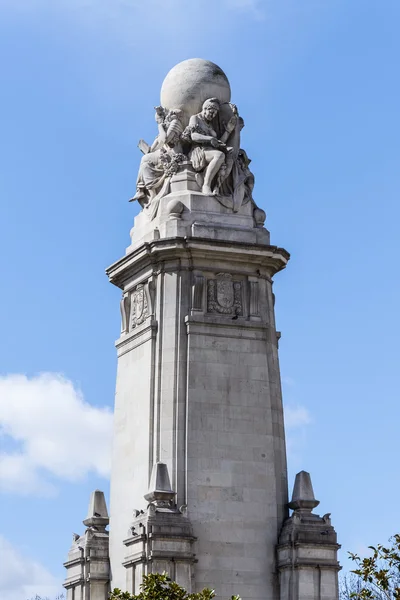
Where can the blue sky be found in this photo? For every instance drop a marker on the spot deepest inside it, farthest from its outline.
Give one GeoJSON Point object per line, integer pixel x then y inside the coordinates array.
{"type": "Point", "coordinates": [317, 84]}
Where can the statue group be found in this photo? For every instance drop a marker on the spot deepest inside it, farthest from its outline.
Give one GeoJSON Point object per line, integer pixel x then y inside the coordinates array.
{"type": "Point", "coordinates": [209, 144]}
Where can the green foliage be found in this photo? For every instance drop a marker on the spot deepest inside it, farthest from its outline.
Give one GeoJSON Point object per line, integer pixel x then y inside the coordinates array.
{"type": "Point", "coordinates": [377, 577]}
{"type": "Point", "coordinates": [157, 586]}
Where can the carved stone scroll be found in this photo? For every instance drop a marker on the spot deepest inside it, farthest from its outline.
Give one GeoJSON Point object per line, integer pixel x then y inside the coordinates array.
{"type": "Point", "coordinates": [197, 292]}
{"type": "Point", "coordinates": [124, 306]}
{"type": "Point", "coordinates": [254, 298]}
{"type": "Point", "coordinates": [150, 289]}
{"type": "Point", "coordinates": [224, 296]}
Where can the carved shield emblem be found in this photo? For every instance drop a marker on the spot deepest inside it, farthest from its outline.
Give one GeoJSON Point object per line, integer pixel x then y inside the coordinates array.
{"type": "Point", "coordinates": [225, 294]}
{"type": "Point", "coordinates": [139, 306]}
{"type": "Point", "coordinates": [139, 303]}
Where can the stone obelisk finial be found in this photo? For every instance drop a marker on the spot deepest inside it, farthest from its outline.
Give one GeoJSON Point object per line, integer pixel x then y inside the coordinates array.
{"type": "Point", "coordinates": [97, 512]}
{"type": "Point", "coordinates": [160, 492]}
{"type": "Point", "coordinates": [303, 498]}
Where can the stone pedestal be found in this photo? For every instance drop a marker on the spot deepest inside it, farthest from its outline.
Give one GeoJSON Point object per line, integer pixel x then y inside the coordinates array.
{"type": "Point", "coordinates": [198, 388]}
{"type": "Point", "coordinates": [88, 571]}
{"type": "Point", "coordinates": [307, 550]}
{"type": "Point", "coordinates": [160, 538]}
{"type": "Point", "coordinates": [186, 212]}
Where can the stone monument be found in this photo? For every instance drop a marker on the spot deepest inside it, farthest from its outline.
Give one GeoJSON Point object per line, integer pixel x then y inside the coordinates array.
{"type": "Point", "coordinates": [199, 480]}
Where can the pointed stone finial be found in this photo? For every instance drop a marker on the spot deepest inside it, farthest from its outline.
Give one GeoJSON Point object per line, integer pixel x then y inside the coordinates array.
{"type": "Point", "coordinates": [97, 512]}
{"type": "Point", "coordinates": [160, 492]}
{"type": "Point", "coordinates": [303, 498]}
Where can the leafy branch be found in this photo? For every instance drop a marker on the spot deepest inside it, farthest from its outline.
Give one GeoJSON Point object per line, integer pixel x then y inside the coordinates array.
{"type": "Point", "coordinates": [377, 576]}
{"type": "Point", "coordinates": [158, 586]}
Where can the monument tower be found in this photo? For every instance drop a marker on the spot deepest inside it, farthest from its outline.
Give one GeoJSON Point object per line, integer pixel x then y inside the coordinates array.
{"type": "Point", "coordinates": [199, 480]}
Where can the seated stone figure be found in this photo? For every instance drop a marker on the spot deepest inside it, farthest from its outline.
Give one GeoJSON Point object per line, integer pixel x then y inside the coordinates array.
{"type": "Point", "coordinates": [160, 157]}
{"type": "Point", "coordinates": [208, 153]}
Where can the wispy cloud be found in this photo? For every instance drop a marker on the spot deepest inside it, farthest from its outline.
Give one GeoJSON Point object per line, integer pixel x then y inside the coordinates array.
{"type": "Point", "coordinates": [296, 417]}
{"type": "Point", "coordinates": [288, 381]}
{"type": "Point", "coordinates": [297, 420]}
{"type": "Point", "coordinates": [21, 576]}
{"type": "Point", "coordinates": [49, 432]}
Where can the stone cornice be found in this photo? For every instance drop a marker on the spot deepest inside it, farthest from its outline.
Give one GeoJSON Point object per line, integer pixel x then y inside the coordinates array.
{"type": "Point", "coordinates": [302, 544]}
{"type": "Point", "coordinates": [309, 564]}
{"type": "Point", "coordinates": [221, 326]}
{"type": "Point", "coordinates": [153, 254]}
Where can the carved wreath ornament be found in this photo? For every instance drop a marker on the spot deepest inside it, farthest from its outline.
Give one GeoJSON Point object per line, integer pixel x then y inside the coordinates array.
{"type": "Point", "coordinates": [224, 296]}
{"type": "Point", "coordinates": [139, 306]}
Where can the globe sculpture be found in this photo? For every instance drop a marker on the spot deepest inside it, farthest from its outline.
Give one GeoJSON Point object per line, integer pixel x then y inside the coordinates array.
{"type": "Point", "coordinates": [190, 83]}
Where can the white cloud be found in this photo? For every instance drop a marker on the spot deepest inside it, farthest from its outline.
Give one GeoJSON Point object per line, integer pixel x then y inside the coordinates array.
{"type": "Point", "coordinates": [297, 419]}
{"type": "Point", "coordinates": [53, 432]}
{"type": "Point", "coordinates": [21, 577]}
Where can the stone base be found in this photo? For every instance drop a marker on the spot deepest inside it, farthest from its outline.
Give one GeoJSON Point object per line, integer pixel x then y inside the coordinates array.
{"type": "Point", "coordinates": [186, 212]}
{"type": "Point", "coordinates": [160, 540]}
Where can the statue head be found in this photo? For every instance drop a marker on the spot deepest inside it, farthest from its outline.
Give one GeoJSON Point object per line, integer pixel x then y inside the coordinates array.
{"type": "Point", "coordinates": [243, 159]}
{"type": "Point", "coordinates": [211, 108]}
{"type": "Point", "coordinates": [174, 113]}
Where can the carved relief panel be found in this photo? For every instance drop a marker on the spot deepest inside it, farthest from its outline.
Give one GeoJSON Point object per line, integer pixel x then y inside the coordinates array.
{"type": "Point", "coordinates": [225, 295]}
{"type": "Point", "coordinates": [137, 306]}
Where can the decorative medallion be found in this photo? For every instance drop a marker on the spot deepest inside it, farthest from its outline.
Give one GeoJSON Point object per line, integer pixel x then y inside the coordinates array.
{"type": "Point", "coordinates": [224, 296]}
{"type": "Point", "coordinates": [139, 304]}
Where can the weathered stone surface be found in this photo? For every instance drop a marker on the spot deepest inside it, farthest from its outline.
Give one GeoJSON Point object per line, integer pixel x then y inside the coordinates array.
{"type": "Point", "coordinates": [303, 493]}
{"type": "Point", "coordinates": [160, 492]}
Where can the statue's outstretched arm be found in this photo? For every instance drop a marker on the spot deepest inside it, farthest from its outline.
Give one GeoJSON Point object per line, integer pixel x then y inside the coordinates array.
{"type": "Point", "coordinates": [229, 128]}
{"type": "Point", "coordinates": [162, 134]}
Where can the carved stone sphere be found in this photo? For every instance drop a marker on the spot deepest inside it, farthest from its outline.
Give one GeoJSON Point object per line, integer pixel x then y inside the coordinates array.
{"type": "Point", "coordinates": [259, 217]}
{"type": "Point", "coordinates": [175, 209]}
{"type": "Point", "coordinates": [190, 83]}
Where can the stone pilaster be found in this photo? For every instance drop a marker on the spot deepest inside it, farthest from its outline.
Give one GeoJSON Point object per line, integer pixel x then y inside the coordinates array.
{"type": "Point", "coordinates": [160, 537]}
{"type": "Point", "coordinates": [88, 571]}
{"type": "Point", "coordinates": [307, 549]}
